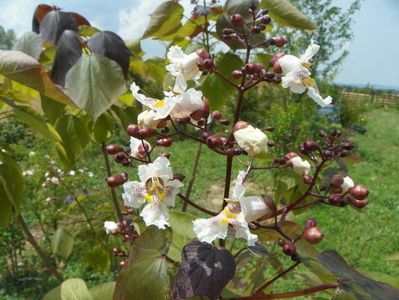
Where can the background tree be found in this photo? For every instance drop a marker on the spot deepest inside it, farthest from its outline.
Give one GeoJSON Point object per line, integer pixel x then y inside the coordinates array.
{"type": "Point", "coordinates": [7, 38]}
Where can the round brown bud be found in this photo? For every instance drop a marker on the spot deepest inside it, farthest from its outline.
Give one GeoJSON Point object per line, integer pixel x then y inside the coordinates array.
{"type": "Point", "coordinates": [179, 177]}
{"type": "Point", "coordinates": [322, 134]}
{"type": "Point", "coordinates": [147, 132]}
{"type": "Point", "coordinates": [214, 141]}
{"type": "Point", "coordinates": [119, 157]}
{"type": "Point", "coordinates": [310, 223]}
{"type": "Point", "coordinates": [217, 115]}
{"type": "Point", "coordinates": [337, 180]}
{"type": "Point", "coordinates": [237, 20]}
{"type": "Point", "coordinates": [133, 130]}
{"type": "Point", "coordinates": [359, 191]}
{"type": "Point", "coordinates": [269, 76]}
{"type": "Point", "coordinates": [197, 115]}
{"type": "Point", "coordinates": [310, 146]}
{"type": "Point", "coordinates": [289, 248]}
{"type": "Point", "coordinates": [251, 68]}
{"type": "Point", "coordinates": [335, 199]}
{"type": "Point", "coordinates": [224, 122]}
{"type": "Point", "coordinates": [116, 180]}
{"type": "Point", "coordinates": [281, 242]}
{"type": "Point", "coordinates": [307, 179]}
{"type": "Point", "coordinates": [358, 203]}
{"type": "Point", "coordinates": [279, 41]}
{"type": "Point", "coordinates": [256, 29]}
{"type": "Point", "coordinates": [236, 74]}
{"type": "Point", "coordinates": [202, 53]}
{"type": "Point", "coordinates": [347, 145]}
{"type": "Point", "coordinates": [183, 120]}
{"type": "Point", "coordinates": [313, 235]}
{"type": "Point", "coordinates": [113, 149]}
{"type": "Point", "coordinates": [265, 20]}
{"type": "Point", "coordinates": [164, 142]}
{"type": "Point", "coordinates": [240, 125]}
{"type": "Point", "coordinates": [208, 64]}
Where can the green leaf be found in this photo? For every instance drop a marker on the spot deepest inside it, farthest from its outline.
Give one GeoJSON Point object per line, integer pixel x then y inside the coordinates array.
{"type": "Point", "coordinates": [52, 109]}
{"type": "Point", "coordinates": [226, 63]}
{"type": "Point", "coordinates": [24, 69]}
{"type": "Point", "coordinates": [284, 13]}
{"type": "Point", "coordinates": [95, 82]}
{"type": "Point", "coordinates": [11, 187]}
{"type": "Point", "coordinates": [103, 128]}
{"type": "Point", "coordinates": [62, 243]}
{"type": "Point", "coordinates": [155, 69]}
{"type": "Point", "coordinates": [103, 291]}
{"type": "Point", "coordinates": [29, 43]}
{"type": "Point", "coordinates": [134, 46]}
{"type": "Point", "coordinates": [164, 20]}
{"type": "Point", "coordinates": [71, 289]}
{"type": "Point", "coordinates": [98, 258]}
{"type": "Point", "coordinates": [239, 6]}
{"type": "Point", "coordinates": [182, 227]}
{"type": "Point", "coordinates": [146, 275]}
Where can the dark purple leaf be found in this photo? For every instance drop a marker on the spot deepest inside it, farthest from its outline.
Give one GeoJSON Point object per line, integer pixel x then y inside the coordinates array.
{"type": "Point", "coordinates": [69, 50]}
{"type": "Point", "coordinates": [111, 45]}
{"type": "Point", "coordinates": [53, 25]}
{"type": "Point", "coordinates": [40, 11]}
{"type": "Point", "coordinates": [205, 270]}
{"type": "Point", "coordinates": [353, 282]}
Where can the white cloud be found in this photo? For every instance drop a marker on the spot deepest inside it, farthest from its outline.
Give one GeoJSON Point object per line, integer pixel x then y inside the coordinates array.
{"type": "Point", "coordinates": [17, 15]}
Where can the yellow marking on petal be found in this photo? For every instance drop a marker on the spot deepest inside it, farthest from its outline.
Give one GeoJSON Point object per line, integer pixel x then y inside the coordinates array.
{"type": "Point", "coordinates": [224, 220]}
{"type": "Point", "coordinates": [309, 81]}
{"type": "Point", "coordinates": [231, 215]}
{"type": "Point", "coordinates": [148, 197]}
{"type": "Point", "coordinates": [162, 196]}
{"type": "Point", "coordinates": [306, 65]}
{"type": "Point", "coordinates": [159, 103]}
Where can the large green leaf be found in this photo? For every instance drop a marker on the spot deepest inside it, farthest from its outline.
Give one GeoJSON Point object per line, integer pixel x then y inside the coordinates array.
{"type": "Point", "coordinates": [62, 243]}
{"type": "Point", "coordinates": [155, 69]}
{"type": "Point", "coordinates": [52, 109]}
{"type": "Point", "coordinates": [284, 13]}
{"type": "Point", "coordinates": [11, 187]}
{"type": "Point", "coordinates": [103, 128]}
{"type": "Point", "coordinates": [98, 258]}
{"type": "Point", "coordinates": [71, 289]}
{"type": "Point", "coordinates": [24, 69]}
{"type": "Point", "coordinates": [239, 6]}
{"type": "Point", "coordinates": [164, 20]}
{"type": "Point", "coordinates": [29, 43]}
{"type": "Point", "coordinates": [103, 291]}
{"type": "Point", "coordinates": [182, 226]}
{"type": "Point", "coordinates": [226, 63]}
{"type": "Point", "coordinates": [95, 82]}
{"type": "Point", "coordinates": [146, 275]}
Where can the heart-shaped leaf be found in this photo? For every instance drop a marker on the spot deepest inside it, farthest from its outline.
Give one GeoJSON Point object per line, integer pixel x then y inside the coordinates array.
{"type": "Point", "coordinates": [74, 288]}
{"type": "Point", "coordinates": [94, 83]}
{"type": "Point", "coordinates": [240, 7]}
{"type": "Point", "coordinates": [69, 50]}
{"type": "Point", "coordinates": [53, 25]}
{"type": "Point", "coordinates": [205, 270]}
{"type": "Point", "coordinates": [182, 224]}
{"type": "Point", "coordinates": [62, 243]}
{"type": "Point", "coordinates": [40, 12]}
{"type": "Point", "coordinates": [111, 45]}
{"type": "Point", "coordinates": [146, 274]}
{"type": "Point", "coordinates": [284, 13]}
{"type": "Point", "coordinates": [29, 43]}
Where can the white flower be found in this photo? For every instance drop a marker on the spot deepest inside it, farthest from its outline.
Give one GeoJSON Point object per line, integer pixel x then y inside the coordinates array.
{"type": "Point", "coordinates": [28, 173]}
{"type": "Point", "coordinates": [300, 166]}
{"type": "Point", "coordinates": [156, 188]}
{"type": "Point", "coordinates": [238, 212]}
{"type": "Point", "coordinates": [54, 180]}
{"type": "Point", "coordinates": [110, 227]}
{"type": "Point", "coordinates": [180, 63]}
{"type": "Point", "coordinates": [137, 149]}
{"type": "Point", "coordinates": [252, 140]}
{"type": "Point", "coordinates": [90, 174]}
{"type": "Point", "coordinates": [347, 184]}
{"type": "Point", "coordinates": [297, 75]}
{"type": "Point", "coordinates": [148, 119]}
{"type": "Point", "coordinates": [72, 173]}
{"type": "Point", "coordinates": [32, 153]}
{"type": "Point", "coordinates": [161, 108]}
{"type": "Point", "coordinates": [187, 101]}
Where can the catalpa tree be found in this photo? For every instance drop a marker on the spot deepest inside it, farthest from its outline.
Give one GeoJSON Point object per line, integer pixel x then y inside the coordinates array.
{"type": "Point", "coordinates": [165, 252]}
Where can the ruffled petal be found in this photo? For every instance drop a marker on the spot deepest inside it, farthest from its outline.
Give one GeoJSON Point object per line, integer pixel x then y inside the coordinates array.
{"type": "Point", "coordinates": [239, 189]}
{"type": "Point", "coordinates": [172, 188]}
{"type": "Point", "coordinates": [289, 63]}
{"type": "Point", "coordinates": [314, 94]}
{"type": "Point", "coordinates": [242, 231]}
{"type": "Point", "coordinates": [110, 227]}
{"type": "Point", "coordinates": [347, 184]}
{"type": "Point", "coordinates": [133, 195]}
{"type": "Point", "coordinates": [187, 103]}
{"type": "Point", "coordinates": [208, 230]}
{"type": "Point", "coordinates": [253, 207]}
{"type": "Point", "coordinates": [147, 119]}
{"type": "Point", "coordinates": [159, 168]}
{"type": "Point", "coordinates": [252, 140]}
{"type": "Point", "coordinates": [155, 213]}
{"type": "Point", "coordinates": [309, 53]}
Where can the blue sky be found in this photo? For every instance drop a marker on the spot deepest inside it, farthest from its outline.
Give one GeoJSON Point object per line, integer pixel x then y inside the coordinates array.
{"type": "Point", "coordinates": [373, 53]}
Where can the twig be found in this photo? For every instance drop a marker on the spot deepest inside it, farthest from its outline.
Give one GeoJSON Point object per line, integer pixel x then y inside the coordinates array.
{"type": "Point", "coordinates": [200, 208]}
{"type": "Point", "coordinates": [193, 173]}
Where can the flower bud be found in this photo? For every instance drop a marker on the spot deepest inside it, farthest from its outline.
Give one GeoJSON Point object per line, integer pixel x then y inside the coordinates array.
{"type": "Point", "coordinates": [347, 145]}
{"type": "Point", "coordinates": [269, 75]}
{"type": "Point", "coordinates": [217, 115]}
{"type": "Point", "coordinates": [274, 63]}
{"type": "Point", "coordinates": [270, 143]}
{"type": "Point", "coordinates": [228, 31]}
{"type": "Point", "coordinates": [236, 74]}
{"type": "Point", "coordinates": [164, 142]}
{"type": "Point", "coordinates": [289, 248]}
{"type": "Point", "coordinates": [310, 223]}
{"type": "Point", "coordinates": [240, 125]}
{"type": "Point", "coordinates": [183, 120]}
{"type": "Point", "coordinates": [310, 146]}
{"type": "Point", "coordinates": [179, 177]}
{"type": "Point", "coordinates": [313, 235]}
{"type": "Point", "coordinates": [147, 132]}
{"type": "Point", "coordinates": [256, 29]}
{"type": "Point", "coordinates": [281, 242]}
{"type": "Point", "coordinates": [322, 134]}
{"type": "Point", "coordinates": [337, 180]}
{"type": "Point", "coordinates": [359, 191]}
{"type": "Point", "coordinates": [358, 203]}
{"type": "Point", "coordinates": [289, 156]}
{"type": "Point", "coordinates": [336, 199]}
{"type": "Point", "coordinates": [237, 20]}
{"type": "Point", "coordinates": [265, 20]}
{"type": "Point", "coordinates": [207, 64]}
{"type": "Point", "coordinates": [197, 115]}
{"type": "Point", "coordinates": [133, 130]}
{"type": "Point", "coordinates": [279, 41]}
{"type": "Point", "coordinates": [307, 179]}
{"type": "Point", "coordinates": [214, 141]}
{"type": "Point", "coordinates": [113, 149]}
{"type": "Point", "coordinates": [202, 53]}
{"type": "Point", "coordinates": [119, 157]}
{"type": "Point", "coordinates": [251, 68]}
{"type": "Point", "coordinates": [224, 122]}
{"type": "Point", "coordinates": [116, 180]}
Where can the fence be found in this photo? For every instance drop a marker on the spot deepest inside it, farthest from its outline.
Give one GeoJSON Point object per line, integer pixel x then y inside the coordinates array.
{"type": "Point", "coordinates": [387, 99]}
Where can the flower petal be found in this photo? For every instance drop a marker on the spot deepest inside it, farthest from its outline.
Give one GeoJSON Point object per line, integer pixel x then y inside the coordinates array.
{"type": "Point", "coordinates": [347, 184]}
{"type": "Point", "coordinates": [242, 231]}
{"type": "Point", "coordinates": [208, 230]}
{"type": "Point", "coordinates": [155, 213]}
{"type": "Point", "coordinates": [134, 192]}
{"type": "Point", "coordinates": [253, 207]}
{"type": "Point", "coordinates": [314, 94]}
{"type": "Point", "coordinates": [110, 227]}
{"type": "Point", "coordinates": [172, 188]}
{"type": "Point", "coordinates": [309, 53]}
{"type": "Point", "coordinates": [159, 168]}
{"type": "Point", "coordinates": [300, 166]}
{"type": "Point", "coordinates": [135, 145]}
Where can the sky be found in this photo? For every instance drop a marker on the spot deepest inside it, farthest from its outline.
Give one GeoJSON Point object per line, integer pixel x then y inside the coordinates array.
{"type": "Point", "coordinates": [373, 57]}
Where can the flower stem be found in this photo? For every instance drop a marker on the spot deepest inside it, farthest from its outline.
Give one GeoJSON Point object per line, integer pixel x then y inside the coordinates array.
{"type": "Point", "coordinates": [200, 208]}
{"type": "Point", "coordinates": [113, 193]}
